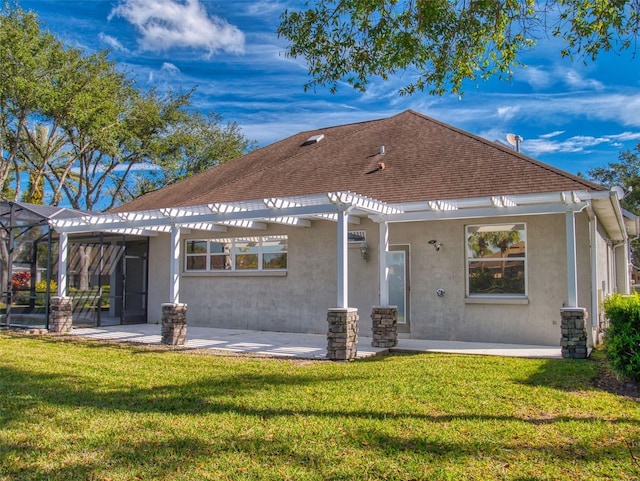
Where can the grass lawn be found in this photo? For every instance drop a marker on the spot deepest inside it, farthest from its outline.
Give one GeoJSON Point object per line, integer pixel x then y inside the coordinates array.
{"type": "Point", "coordinates": [79, 410]}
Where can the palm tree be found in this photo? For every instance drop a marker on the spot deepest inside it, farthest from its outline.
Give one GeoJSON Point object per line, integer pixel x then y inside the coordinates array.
{"type": "Point", "coordinates": [503, 239]}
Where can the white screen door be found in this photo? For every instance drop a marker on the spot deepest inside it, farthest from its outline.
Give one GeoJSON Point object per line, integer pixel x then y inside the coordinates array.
{"type": "Point", "coordinates": [398, 283]}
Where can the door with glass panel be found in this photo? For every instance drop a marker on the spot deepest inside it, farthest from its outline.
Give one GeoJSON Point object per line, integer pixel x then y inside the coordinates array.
{"type": "Point", "coordinates": [398, 283]}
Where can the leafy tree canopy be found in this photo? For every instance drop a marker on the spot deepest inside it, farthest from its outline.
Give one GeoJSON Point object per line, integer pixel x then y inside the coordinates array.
{"type": "Point", "coordinates": [73, 124]}
{"type": "Point", "coordinates": [626, 174]}
{"type": "Point", "coordinates": [443, 43]}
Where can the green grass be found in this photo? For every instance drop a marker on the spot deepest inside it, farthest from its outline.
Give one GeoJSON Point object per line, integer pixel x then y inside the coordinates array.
{"type": "Point", "coordinates": [94, 411]}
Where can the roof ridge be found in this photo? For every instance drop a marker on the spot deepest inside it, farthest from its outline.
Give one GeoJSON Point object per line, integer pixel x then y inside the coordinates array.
{"type": "Point", "coordinates": [507, 150]}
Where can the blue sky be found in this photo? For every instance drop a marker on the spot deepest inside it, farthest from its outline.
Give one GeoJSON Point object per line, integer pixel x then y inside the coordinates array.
{"type": "Point", "coordinates": [571, 116]}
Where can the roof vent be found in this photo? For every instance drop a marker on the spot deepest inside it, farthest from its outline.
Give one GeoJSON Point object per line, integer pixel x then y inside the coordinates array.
{"type": "Point", "coordinates": [314, 139]}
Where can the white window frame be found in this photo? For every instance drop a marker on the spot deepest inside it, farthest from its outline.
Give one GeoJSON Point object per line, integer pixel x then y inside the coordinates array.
{"type": "Point", "coordinates": [233, 253]}
{"type": "Point", "coordinates": [469, 260]}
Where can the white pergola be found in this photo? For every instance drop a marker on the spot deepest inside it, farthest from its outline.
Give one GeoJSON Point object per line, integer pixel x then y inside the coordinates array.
{"type": "Point", "coordinates": [347, 207]}
{"type": "Point", "coordinates": [339, 207]}
{"type": "Point", "coordinates": [605, 205]}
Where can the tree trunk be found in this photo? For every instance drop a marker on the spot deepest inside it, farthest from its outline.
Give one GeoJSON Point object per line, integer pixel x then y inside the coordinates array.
{"type": "Point", "coordinates": [84, 253]}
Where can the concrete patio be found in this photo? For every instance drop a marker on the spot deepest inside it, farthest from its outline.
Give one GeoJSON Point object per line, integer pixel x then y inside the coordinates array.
{"type": "Point", "coordinates": [304, 346]}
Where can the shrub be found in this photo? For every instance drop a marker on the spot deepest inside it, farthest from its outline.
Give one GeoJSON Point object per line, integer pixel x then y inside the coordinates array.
{"type": "Point", "coordinates": [41, 291]}
{"type": "Point", "coordinates": [622, 339]}
{"type": "Point", "coordinates": [20, 282]}
{"type": "Point", "coordinates": [87, 298]}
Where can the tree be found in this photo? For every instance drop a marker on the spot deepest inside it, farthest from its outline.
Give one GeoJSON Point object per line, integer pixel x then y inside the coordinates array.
{"type": "Point", "coordinates": [446, 42]}
{"type": "Point", "coordinates": [40, 149]}
{"type": "Point", "coordinates": [25, 56]}
{"type": "Point", "coordinates": [504, 239]}
{"type": "Point", "coordinates": [626, 174]}
{"type": "Point", "coordinates": [195, 143]}
{"type": "Point", "coordinates": [73, 123]}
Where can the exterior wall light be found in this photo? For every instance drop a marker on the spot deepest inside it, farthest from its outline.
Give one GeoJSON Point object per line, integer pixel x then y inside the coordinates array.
{"type": "Point", "coordinates": [435, 244]}
{"type": "Point", "coordinates": [364, 251]}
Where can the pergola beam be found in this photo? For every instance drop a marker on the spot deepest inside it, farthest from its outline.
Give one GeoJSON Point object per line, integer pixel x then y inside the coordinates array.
{"type": "Point", "coordinates": [473, 213]}
{"type": "Point", "coordinates": [294, 211]}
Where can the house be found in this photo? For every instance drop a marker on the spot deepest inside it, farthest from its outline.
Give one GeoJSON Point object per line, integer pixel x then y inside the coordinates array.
{"type": "Point", "coordinates": [471, 240]}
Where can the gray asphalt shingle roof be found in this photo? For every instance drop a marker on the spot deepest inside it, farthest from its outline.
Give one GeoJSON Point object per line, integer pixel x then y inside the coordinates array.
{"type": "Point", "coordinates": [424, 159]}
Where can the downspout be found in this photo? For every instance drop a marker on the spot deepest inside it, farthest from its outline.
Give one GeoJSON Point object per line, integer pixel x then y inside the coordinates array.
{"type": "Point", "coordinates": [615, 203]}
{"type": "Point", "coordinates": [616, 246]}
{"type": "Point", "coordinates": [595, 304]}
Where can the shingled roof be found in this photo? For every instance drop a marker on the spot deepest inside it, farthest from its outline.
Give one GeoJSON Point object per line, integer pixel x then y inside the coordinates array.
{"type": "Point", "coordinates": [423, 159]}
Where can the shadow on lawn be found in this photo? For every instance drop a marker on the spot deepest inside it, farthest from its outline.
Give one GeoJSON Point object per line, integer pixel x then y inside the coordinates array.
{"type": "Point", "coordinates": [594, 373]}
{"type": "Point", "coordinates": [162, 456]}
{"type": "Point", "coordinates": [238, 393]}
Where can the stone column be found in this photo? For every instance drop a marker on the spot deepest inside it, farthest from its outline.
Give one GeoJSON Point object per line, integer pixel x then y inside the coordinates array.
{"type": "Point", "coordinates": [384, 321]}
{"type": "Point", "coordinates": [60, 314]}
{"type": "Point", "coordinates": [342, 334]}
{"type": "Point", "coordinates": [574, 333]}
{"type": "Point", "coordinates": [174, 324]}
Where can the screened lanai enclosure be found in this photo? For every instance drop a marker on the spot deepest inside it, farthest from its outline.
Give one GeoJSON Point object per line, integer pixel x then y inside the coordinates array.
{"type": "Point", "coordinates": [106, 273]}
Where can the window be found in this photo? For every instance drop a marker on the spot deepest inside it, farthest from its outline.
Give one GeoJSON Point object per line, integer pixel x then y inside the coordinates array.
{"type": "Point", "coordinates": [496, 260]}
{"type": "Point", "coordinates": [237, 254]}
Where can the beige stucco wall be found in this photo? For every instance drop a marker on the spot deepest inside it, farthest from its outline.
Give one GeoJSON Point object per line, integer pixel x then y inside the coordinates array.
{"type": "Point", "coordinates": [453, 317]}
{"type": "Point", "coordinates": [158, 288]}
{"type": "Point", "coordinates": [298, 302]}
{"type": "Point", "coordinates": [603, 269]}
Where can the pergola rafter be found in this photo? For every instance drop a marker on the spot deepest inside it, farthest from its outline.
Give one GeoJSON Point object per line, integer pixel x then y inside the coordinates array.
{"type": "Point", "coordinates": [339, 207]}
{"type": "Point", "coordinates": [292, 211]}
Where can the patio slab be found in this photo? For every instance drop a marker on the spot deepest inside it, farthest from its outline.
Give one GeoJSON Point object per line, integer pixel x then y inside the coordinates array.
{"type": "Point", "coordinates": [305, 346]}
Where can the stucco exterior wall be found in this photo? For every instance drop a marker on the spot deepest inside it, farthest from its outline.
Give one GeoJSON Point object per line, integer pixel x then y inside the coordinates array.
{"type": "Point", "coordinates": [603, 285]}
{"type": "Point", "coordinates": [454, 317]}
{"type": "Point", "coordinates": [158, 288]}
{"type": "Point", "coordinates": [299, 300]}
{"type": "Point", "coordinates": [295, 302]}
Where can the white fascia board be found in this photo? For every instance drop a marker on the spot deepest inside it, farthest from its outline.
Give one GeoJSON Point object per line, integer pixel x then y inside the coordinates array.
{"type": "Point", "coordinates": [604, 201]}
{"type": "Point", "coordinates": [615, 203]}
{"type": "Point", "coordinates": [471, 213]}
{"type": "Point", "coordinates": [631, 222]}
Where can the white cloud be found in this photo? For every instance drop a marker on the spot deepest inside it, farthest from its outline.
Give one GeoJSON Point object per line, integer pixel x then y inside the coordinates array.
{"type": "Point", "coordinates": [550, 135]}
{"type": "Point", "coordinates": [626, 136]}
{"type": "Point", "coordinates": [536, 77]}
{"type": "Point", "coordinates": [578, 143]}
{"type": "Point", "coordinates": [508, 113]}
{"type": "Point", "coordinates": [576, 81]}
{"type": "Point", "coordinates": [112, 42]}
{"type": "Point", "coordinates": [266, 7]}
{"type": "Point", "coordinates": [170, 68]}
{"type": "Point", "coordinates": [540, 78]}
{"type": "Point", "coordinates": [168, 24]}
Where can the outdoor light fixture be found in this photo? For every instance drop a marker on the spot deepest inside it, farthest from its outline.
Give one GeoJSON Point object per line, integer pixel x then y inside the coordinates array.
{"type": "Point", "coordinates": [364, 251]}
{"type": "Point", "coordinates": [435, 244]}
